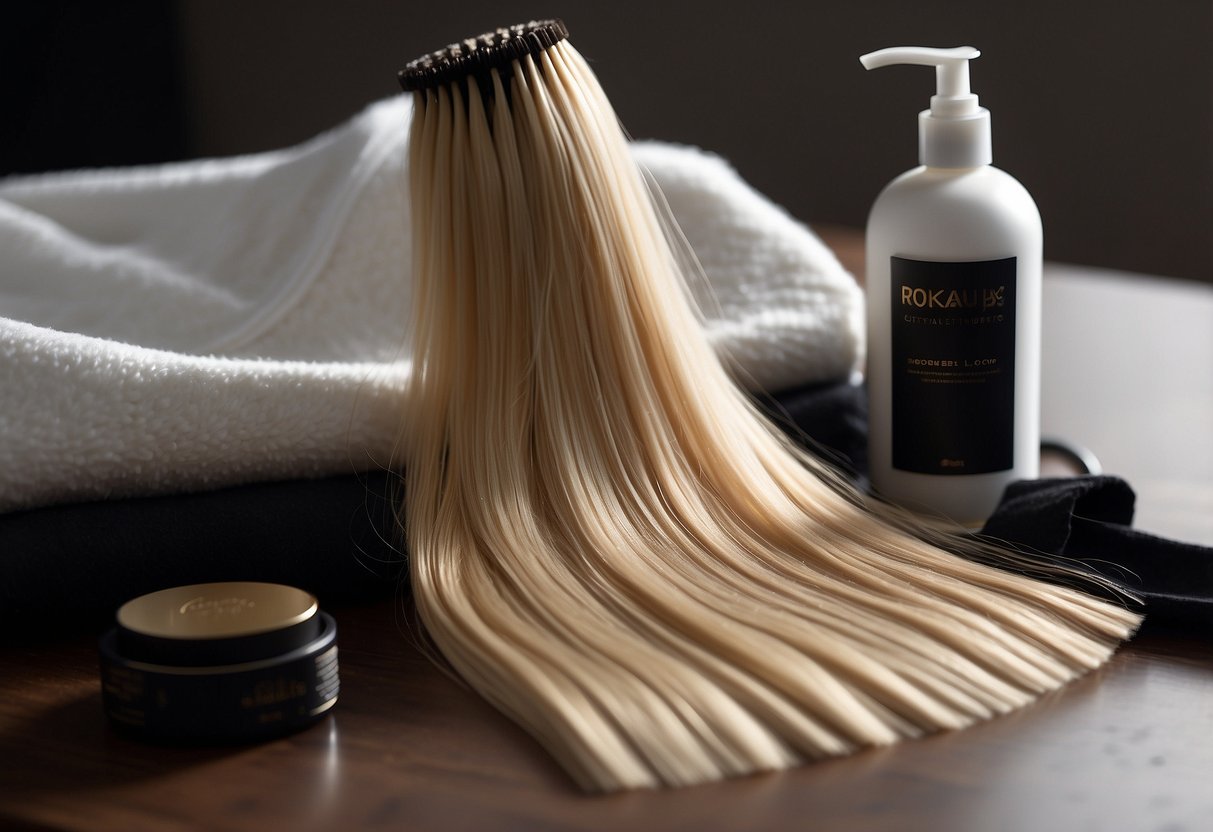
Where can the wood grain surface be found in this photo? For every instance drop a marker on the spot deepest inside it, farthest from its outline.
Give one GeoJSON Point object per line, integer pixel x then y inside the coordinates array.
{"type": "Point", "coordinates": [407, 747]}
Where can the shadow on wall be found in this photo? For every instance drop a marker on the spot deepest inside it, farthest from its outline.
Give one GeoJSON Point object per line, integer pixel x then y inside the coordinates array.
{"type": "Point", "coordinates": [1115, 144]}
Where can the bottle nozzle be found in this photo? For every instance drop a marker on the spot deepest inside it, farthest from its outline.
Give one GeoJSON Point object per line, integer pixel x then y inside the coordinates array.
{"type": "Point", "coordinates": [942, 145]}
{"type": "Point", "coordinates": [951, 65]}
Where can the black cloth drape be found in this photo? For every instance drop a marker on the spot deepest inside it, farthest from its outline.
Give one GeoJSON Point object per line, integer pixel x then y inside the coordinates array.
{"type": "Point", "coordinates": [337, 537]}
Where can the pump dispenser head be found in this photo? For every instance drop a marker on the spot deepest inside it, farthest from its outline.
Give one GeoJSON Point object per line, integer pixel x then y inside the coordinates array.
{"type": "Point", "coordinates": [955, 132]}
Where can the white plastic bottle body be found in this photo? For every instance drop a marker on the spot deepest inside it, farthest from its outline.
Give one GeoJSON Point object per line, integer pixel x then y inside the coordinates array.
{"type": "Point", "coordinates": [946, 215]}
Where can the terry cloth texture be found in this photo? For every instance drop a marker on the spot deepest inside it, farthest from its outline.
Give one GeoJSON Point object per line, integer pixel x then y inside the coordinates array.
{"type": "Point", "coordinates": [210, 323]}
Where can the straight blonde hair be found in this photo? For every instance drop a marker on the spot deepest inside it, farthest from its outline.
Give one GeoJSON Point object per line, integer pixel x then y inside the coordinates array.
{"type": "Point", "coordinates": [607, 540]}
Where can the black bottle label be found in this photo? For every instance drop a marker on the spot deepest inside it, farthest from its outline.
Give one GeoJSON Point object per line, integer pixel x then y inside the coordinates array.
{"type": "Point", "coordinates": [953, 342]}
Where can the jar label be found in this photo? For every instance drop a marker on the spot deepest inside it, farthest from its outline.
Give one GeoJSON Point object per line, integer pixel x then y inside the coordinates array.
{"type": "Point", "coordinates": [953, 343]}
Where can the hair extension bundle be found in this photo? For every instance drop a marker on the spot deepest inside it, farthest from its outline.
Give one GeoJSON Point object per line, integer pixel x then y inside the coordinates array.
{"type": "Point", "coordinates": [607, 540]}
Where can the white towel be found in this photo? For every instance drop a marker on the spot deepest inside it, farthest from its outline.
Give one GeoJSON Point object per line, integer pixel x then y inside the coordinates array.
{"type": "Point", "coordinates": [207, 323]}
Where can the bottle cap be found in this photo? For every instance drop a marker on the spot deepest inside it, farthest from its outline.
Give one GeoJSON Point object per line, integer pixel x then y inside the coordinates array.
{"type": "Point", "coordinates": [955, 131]}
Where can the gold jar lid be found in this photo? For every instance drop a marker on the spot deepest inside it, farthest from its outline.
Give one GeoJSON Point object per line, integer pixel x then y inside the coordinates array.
{"type": "Point", "coordinates": [219, 610]}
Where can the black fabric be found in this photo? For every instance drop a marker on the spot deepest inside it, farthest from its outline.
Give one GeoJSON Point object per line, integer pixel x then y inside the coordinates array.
{"type": "Point", "coordinates": [337, 537]}
{"type": "Point", "coordinates": [1086, 521]}
{"type": "Point", "coordinates": [72, 564]}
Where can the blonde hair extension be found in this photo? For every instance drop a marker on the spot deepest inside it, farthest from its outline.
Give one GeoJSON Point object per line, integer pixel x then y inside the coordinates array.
{"type": "Point", "coordinates": [607, 540]}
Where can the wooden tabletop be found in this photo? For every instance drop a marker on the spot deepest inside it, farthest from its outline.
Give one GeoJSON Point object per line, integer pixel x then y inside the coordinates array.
{"type": "Point", "coordinates": [1128, 747]}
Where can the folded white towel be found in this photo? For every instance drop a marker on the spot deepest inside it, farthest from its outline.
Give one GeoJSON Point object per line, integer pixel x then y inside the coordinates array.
{"type": "Point", "coordinates": [207, 323]}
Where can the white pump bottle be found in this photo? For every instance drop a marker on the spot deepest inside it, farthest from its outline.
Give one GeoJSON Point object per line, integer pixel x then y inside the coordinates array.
{"type": "Point", "coordinates": [953, 290]}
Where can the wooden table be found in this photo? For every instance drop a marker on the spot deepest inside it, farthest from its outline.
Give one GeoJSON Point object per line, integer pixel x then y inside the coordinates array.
{"type": "Point", "coordinates": [1129, 372]}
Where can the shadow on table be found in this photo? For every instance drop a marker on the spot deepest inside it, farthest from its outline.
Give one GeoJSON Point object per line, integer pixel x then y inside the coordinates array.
{"type": "Point", "coordinates": [74, 740]}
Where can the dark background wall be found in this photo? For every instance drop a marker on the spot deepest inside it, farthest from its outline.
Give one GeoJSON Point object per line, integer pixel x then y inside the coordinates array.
{"type": "Point", "coordinates": [1104, 110]}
